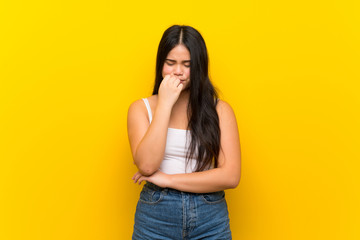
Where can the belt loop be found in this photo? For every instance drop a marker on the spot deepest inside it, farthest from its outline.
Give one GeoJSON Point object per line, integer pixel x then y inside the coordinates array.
{"type": "Point", "coordinates": [165, 191]}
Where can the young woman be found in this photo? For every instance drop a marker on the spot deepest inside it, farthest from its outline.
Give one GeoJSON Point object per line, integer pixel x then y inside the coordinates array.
{"type": "Point", "coordinates": [185, 144]}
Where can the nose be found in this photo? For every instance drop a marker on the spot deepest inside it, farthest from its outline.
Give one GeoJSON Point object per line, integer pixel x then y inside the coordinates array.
{"type": "Point", "coordinates": [178, 70]}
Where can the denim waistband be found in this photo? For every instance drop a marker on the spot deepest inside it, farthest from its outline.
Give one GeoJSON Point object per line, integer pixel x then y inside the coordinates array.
{"type": "Point", "coordinates": [157, 188]}
{"type": "Point", "coordinates": [160, 189]}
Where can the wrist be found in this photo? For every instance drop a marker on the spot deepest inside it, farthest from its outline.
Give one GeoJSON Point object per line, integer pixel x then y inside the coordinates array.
{"type": "Point", "coordinates": [164, 107]}
{"type": "Point", "coordinates": [170, 182]}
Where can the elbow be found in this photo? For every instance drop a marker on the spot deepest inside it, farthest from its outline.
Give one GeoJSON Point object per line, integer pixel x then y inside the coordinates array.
{"type": "Point", "coordinates": [146, 166]}
{"type": "Point", "coordinates": [233, 182]}
{"type": "Point", "coordinates": [233, 185]}
{"type": "Point", "coordinates": [146, 169]}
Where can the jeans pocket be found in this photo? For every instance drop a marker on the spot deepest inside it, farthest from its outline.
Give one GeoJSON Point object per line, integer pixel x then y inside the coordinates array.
{"type": "Point", "coordinates": [150, 196]}
{"type": "Point", "coordinates": [213, 198]}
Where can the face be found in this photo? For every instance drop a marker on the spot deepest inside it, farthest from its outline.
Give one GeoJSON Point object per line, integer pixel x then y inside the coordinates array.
{"type": "Point", "coordinates": [178, 62]}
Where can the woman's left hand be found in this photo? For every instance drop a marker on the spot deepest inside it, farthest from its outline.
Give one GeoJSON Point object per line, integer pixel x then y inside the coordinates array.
{"type": "Point", "coordinates": [158, 178]}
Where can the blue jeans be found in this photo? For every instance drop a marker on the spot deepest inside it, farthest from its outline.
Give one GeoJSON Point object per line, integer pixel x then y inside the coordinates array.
{"type": "Point", "coordinates": [165, 213]}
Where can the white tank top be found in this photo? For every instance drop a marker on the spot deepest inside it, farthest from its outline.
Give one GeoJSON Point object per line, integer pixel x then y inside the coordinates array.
{"type": "Point", "coordinates": [177, 145]}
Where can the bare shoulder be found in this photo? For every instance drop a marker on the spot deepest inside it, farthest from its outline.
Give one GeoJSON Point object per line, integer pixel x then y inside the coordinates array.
{"type": "Point", "coordinates": [140, 105]}
{"type": "Point", "coordinates": [137, 110]}
{"type": "Point", "coordinates": [136, 106]}
{"type": "Point", "coordinates": [224, 110]}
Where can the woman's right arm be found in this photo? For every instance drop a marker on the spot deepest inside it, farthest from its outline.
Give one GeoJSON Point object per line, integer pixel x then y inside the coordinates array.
{"type": "Point", "coordinates": [147, 142]}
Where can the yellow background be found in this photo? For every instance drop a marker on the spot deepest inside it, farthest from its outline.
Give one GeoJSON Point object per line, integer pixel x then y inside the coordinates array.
{"type": "Point", "coordinates": [70, 69]}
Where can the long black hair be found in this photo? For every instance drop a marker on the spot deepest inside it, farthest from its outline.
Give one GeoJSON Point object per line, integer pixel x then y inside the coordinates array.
{"type": "Point", "coordinates": [201, 110]}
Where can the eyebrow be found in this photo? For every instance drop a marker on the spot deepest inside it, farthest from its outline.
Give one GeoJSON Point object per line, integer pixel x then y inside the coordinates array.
{"type": "Point", "coordinates": [171, 60]}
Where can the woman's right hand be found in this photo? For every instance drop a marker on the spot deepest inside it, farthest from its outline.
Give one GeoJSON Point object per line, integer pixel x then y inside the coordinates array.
{"type": "Point", "coordinates": [169, 90]}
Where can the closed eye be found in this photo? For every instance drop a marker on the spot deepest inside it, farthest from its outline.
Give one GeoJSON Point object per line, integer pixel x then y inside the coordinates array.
{"type": "Point", "coordinates": [171, 64]}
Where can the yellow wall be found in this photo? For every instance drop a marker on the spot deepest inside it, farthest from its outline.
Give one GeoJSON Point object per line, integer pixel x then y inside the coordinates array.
{"type": "Point", "coordinates": [69, 71]}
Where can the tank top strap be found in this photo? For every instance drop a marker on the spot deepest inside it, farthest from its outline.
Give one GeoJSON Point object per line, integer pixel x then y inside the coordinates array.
{"type": "Point", "coordinates": [146, 101]}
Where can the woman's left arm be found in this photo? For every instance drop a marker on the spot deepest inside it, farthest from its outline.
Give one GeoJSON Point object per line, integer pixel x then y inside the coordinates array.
{"type": "Point", "coordinates": [225, 176]}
